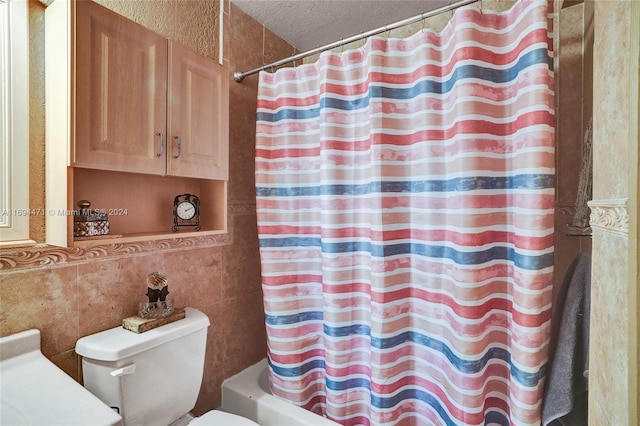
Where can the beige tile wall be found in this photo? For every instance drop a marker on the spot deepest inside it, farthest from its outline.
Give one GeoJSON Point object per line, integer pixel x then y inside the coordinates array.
{"type": "Point", "coordinates": [613, 356]}
{"type": "Point", "coordinates": [68, 294]}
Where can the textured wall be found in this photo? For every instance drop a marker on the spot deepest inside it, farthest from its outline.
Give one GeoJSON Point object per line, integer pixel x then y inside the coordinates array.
{"type": "Point", "coordinates": [613, 351]}
{"type": "Point", "coordinates": [69, 293]}
{"type": "Point", "coordinates": [611, 98]}
{"type": "Point", "coordinates": [195, 24]}
{"type": "Point", "coordinates": [36, 120]}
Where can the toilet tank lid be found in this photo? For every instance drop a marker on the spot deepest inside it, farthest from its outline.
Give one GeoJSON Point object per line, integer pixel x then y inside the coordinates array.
{"type": "Point", "coordinates": [118, 343]}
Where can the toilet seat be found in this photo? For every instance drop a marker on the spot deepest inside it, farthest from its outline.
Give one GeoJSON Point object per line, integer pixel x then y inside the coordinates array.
{"type": "Point", "coordinates": [221, 418]}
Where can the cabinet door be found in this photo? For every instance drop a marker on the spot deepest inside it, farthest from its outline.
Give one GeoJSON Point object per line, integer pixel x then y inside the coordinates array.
{"type": "Point", "coordinates": [198, 116]}
{"type": "Point", "coordinates": [121, 79]}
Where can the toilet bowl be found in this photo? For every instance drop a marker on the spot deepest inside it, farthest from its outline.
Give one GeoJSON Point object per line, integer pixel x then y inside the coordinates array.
{"type": "Point", "coordinates": [152, 378]}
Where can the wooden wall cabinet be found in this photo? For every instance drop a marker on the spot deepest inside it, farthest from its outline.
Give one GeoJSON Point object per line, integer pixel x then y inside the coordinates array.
{"type": "Point", "coordinates": [133, 119]}
{"type": "Point", "coordinates": [146, 104]}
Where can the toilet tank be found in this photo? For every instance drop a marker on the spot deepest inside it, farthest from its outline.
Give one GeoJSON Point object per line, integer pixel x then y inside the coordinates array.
{"type": "Point", "coordinates": [151, 378]}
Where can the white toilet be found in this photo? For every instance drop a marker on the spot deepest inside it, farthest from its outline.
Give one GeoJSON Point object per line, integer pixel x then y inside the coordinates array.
{"type": "Point", "coordinates": [152, 378]}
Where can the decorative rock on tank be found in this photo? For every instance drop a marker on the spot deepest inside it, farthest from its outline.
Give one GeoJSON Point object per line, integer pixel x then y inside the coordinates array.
{"type": "Point", "coordinates": [158, 304]}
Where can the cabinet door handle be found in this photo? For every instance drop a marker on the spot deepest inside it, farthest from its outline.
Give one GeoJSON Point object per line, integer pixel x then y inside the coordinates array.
{"type": "Point", "coordinates": [161, 144]}
{"type": "Point", "coordinates": [179, 143]}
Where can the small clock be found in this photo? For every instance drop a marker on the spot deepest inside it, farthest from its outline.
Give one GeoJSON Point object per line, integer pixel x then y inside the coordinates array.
{"type": "Point", "coordinates": [186, 212]}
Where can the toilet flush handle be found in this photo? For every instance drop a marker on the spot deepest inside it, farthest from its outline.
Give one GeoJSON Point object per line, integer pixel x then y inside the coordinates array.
{"type": "Point", "coordinates": [127, 369]}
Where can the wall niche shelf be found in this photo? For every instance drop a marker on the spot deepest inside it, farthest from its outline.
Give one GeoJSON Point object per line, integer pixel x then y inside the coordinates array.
{"type": "Point", "coordinates": [140, 207]}
{"type": "Point", "coordinates": [122, 239]}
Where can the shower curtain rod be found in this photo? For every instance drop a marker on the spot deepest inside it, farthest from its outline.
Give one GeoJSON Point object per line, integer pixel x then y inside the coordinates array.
{"type": "Point", "coordinates": [239, 75]}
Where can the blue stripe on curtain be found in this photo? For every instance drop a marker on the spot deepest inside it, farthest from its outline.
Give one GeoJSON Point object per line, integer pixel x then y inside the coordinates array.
{"type": "Point", "coordinates": [524, 181]}
{"type": "Point", "coordinates": [539, 56]}
{"type": "Point", "coordinates": [478, 257]}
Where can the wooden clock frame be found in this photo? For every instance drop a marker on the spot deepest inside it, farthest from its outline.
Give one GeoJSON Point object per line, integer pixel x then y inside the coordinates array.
{"type": "Point", "coordinates": [178, 222]}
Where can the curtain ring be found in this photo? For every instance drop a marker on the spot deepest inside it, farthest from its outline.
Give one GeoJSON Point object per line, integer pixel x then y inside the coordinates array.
{"type": "Point", "coordinates": [424, 24]}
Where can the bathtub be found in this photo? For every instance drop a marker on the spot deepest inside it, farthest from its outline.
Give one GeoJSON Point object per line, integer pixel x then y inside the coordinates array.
{"type": "Point", "coordinates": [247, 394]}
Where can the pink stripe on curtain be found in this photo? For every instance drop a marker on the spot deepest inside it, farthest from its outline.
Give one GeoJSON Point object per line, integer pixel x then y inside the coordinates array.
{"type": "Point", "coordinates": [405, 198]}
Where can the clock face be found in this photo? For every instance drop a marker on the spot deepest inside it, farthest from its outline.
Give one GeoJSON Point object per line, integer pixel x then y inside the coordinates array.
{"type": "Point", "coordinates": [185, 210]}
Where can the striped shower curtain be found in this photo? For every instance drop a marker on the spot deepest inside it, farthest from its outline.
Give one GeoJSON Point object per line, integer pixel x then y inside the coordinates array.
{"type": "Point", "coordinates": [405, 212]}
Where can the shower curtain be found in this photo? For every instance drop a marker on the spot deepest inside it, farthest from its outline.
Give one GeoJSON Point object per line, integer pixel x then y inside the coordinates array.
{"type": "Point", "coordinates": [405, 213]}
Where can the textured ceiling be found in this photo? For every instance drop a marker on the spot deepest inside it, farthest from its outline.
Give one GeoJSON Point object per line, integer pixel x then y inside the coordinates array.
{"type": "Point", "coordinates": [306, 24]}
